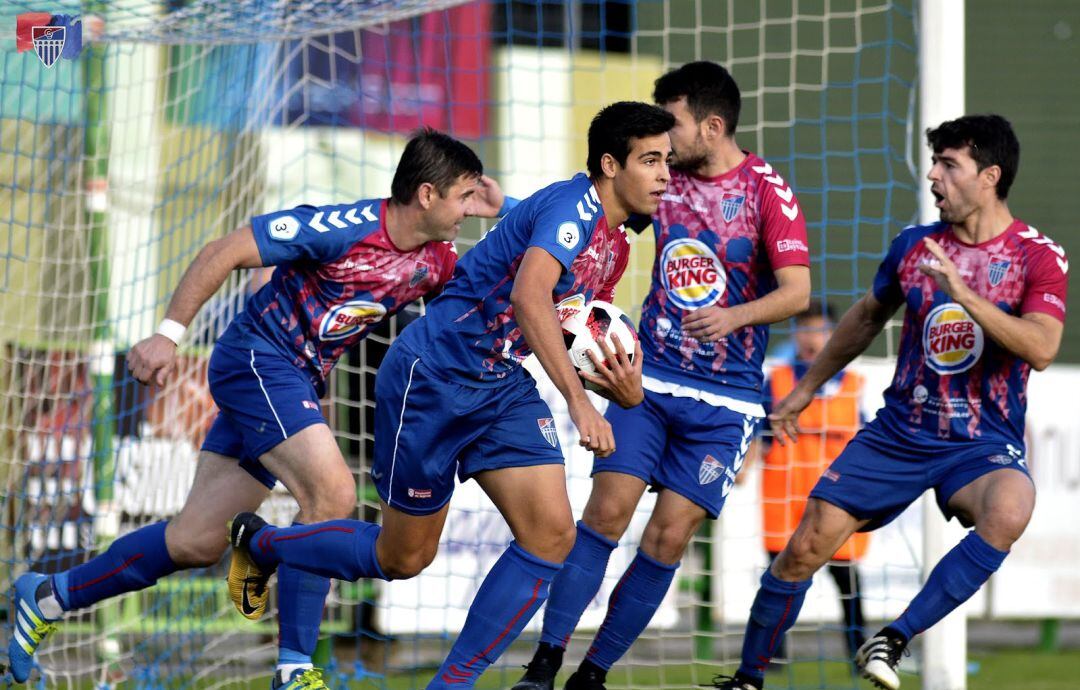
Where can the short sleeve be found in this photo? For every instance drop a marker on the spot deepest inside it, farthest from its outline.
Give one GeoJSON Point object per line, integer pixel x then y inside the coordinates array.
{"type": "Point", "coordinates": [557, 229]}
{"type": "Point", "coordinates": [1046, 282]}
{"type": "Point", "coordinates": [886, 286]}
{"type": "Point", "coordinates": [783, 226]}
{"type": "Point", "coordinates": [315, 233]}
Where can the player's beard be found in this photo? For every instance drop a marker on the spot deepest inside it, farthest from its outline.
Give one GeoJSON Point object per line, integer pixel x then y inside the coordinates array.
{"type": "Point", "coordinates": [692, 160]}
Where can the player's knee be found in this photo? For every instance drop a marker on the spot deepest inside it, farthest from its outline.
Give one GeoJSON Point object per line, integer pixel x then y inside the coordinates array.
{"type": "Point", "coordinates": [403, 565]}
{"type": "Point", "coordinates": [1004, 526]}
{"type": "Point", "coordinates": [552, 543]}
{"type": "Point", "coordinates": [195, 548]}
{"type": "Point", "coordinates": [802, 557]}
{"type": "Point", "coordinates": [665, 543]}
{"type": "Point", "coordinates": [334, 502]}
{"type": "Point", "coordinates": [608, 518]}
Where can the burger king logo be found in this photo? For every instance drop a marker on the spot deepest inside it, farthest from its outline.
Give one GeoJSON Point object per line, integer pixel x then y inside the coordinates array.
{"type": "Point", "coordinates": [691, 274]}
{"type": "Point", "coordinates": [347, 319]}
{"type": "Point", "coordinates": [952, 341]}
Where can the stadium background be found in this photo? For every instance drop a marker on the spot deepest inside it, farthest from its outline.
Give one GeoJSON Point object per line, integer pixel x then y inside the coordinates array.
{"type": "Point", "coordinates": [1020, 63]}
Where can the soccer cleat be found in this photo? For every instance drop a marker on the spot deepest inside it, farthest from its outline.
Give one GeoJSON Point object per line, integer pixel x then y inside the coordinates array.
{"type": "Point", "coordinates": [878, 660]}
{"type": "Point", "coordinates": [539, 674]}
{"type": "Point", "coordinates": [736, 682]}
{"type": "Point", "coordinates": [308, 678]}
{"type": "Point", "coordinates": [247, 582]}
{"type": "Point", "coordinates": [585, 679]}
{"type": "Point", "coordinates": [31, 626]}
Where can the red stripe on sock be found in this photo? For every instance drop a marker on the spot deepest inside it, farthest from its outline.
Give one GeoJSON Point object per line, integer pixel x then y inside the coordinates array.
{"type": "Point", "coordinates": [107, 575]}
{"type": "Point", "coordinates": [309, 533]}
{"type": "Point", "coordinates": [776, 633]}
{"type": "Point", "coordinates": [611, 603]}
{"type": "Point", "coordinates": [519, 614]}
{"type": "Point", "coordinates": [457, 677]}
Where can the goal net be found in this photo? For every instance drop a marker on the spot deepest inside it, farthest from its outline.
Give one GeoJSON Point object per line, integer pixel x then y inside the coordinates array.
{"type": "Point", "coordinates": [177, 120]}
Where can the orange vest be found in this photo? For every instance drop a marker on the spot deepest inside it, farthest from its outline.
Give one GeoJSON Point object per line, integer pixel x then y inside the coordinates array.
{"type": "Point", "coordinates": [791, 471]}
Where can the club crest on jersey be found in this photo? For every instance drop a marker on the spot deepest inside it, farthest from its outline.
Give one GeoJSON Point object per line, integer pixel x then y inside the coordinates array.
{"type": "Point", "coordinates": [691, 274]}
{"type": "Point", "coordinates": [418, 275]}
{"type": "Point", "coordinates": [997, 271]}
{"type": "Point", "coordinates": [547, 428]}
{"type": "Point", "coordinates": [952, 341]}
{"type": "Point", "coordinates": [710, 470]}
{"type": "Point", "coordinates": [730, 205]}
{"type": "Point", "coordinates": [347, 319]}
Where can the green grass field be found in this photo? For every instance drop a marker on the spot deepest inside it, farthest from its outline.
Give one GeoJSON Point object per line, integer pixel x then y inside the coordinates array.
{"type": "Point", "coordinates": [1005, 670]}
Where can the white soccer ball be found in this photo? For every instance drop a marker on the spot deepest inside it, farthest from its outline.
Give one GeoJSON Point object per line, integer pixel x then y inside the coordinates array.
{"type": "Point", "coordinates": [583, 326]}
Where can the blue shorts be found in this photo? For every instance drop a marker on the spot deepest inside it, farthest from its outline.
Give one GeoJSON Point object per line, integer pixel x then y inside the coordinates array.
{"type": "Point", "coordinates": [427, 428]}
{"type": "Point", "coordinates": [878, 475]}
{"type": "Point", "coordinates": [263, 399]}
{"type": "Point", "coordinates": [690, 447]}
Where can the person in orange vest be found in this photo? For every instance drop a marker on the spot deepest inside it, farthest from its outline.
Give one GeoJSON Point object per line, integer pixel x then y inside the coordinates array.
{"type": "Point", "coordinates": [790, 472]}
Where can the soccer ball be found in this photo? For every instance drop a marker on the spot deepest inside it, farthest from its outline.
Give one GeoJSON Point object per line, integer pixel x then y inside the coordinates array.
{"type": "Point", "coordinates": [584, 325]}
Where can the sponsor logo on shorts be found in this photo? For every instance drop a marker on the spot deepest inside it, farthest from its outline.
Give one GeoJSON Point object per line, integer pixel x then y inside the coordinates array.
{"type": "Point", "coordinates": [310, 405]}
{"type": "Point", "coordinates": [547, 428]}
{"type": "Point", "coordinates": [711, 469]}
{"type": "Point", "coordinates": [347, 319]}
{"type": "Point", "coordinates": [1000, 459]}
{"type": "Point", "coordinates": [419, 493]}
{"type": "Point", "coordinates": [691, 274]}
{"type": "Point", "coordinates": [952, 341]}
{"type": "Point", "coordinates": [831, 475]}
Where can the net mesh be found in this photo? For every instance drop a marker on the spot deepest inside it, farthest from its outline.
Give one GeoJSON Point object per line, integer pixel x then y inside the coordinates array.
{"type": "Point", "coordinates": [179, 120]}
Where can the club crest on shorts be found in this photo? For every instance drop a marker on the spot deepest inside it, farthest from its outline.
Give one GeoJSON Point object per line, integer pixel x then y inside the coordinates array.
{"type": "Point", "coordinates": [997, 271]}
{"type": "Point", "coordinates": [730, 205]}
{"type": "Point", "coordinates": [547, 428]}
{"type": "Point", "coordinates": [710, 470]}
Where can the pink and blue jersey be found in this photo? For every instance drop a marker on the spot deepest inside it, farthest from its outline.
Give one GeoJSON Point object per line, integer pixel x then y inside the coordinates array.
{"type": "Point", "coordinates": [718, 242]}
{"type": "Point", "coordinates": [469, 333]}
{"type": "Point", "coordinates": [953, 383]}
{"type": "Point", "coordinates": [338, 274]}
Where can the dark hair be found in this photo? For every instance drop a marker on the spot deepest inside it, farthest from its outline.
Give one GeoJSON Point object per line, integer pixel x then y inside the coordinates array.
{"type": "Point", "coordinates": [818, 308]}
{"type": "Point", "coordinates": [709, 90]}
{"type": "Point", "coordinates": [614, 126]}
{"type": "Point", "coordinates": [990, 139]}
{"type": "Point", "coordinates": [435, 158]}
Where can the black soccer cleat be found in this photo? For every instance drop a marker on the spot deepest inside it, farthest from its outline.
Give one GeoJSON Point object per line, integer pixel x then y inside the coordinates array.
{"type": "Point", "coordinates": [539, 675]}
{"type": "Point", "coordinates": [247, 582]}
{"type": "Point", "coordinates": [736, 682]}
{"type": "Point", "coordinates": [586, 679]}
{"type": "Point", "coordinates": [878, 659]}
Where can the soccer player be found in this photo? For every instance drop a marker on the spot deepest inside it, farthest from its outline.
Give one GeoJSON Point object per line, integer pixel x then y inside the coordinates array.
{"type": "Point", "coordinates": [452, 397]}
{"type": "Point", "coordinates": [731, 258]}
{"type": "Point", "coordinates": [790, 471]}
{"type": "Point", "coordinates": [985, 303]}
{"type": "Point", "coordinates": [340, 270]}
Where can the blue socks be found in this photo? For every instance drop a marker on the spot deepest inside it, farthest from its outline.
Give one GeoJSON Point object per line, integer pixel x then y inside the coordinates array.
{"type": "Point", "coordinates": [632, 605]}
{"type": "Point", "coordinates": [775, 610]}
{"type": "Point", "coordinates": [576, 585]}
{"type": "Point", "coordinates": [344, 549]}
{"type": "Point", "coordinates": [133, 562]}
{"type": "Point", "coordinates": [301, 596]}
{"type": "Point", "coordinates": [514, 589]}
{"type": "Point", "coordinates": [956, 577]}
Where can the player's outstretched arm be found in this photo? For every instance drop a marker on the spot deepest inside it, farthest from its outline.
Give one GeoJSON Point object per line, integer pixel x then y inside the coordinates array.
{"type": "Point", "coordinates": [535, 313]}
{"type": "Point", "coordinates": [791, 296]}
{"type": "Point", "coordinates": [1033, 337]}
{"type": "Point", "coordinates": [856, 330]}
{"type": "Point", "coordinates": [152, 359]}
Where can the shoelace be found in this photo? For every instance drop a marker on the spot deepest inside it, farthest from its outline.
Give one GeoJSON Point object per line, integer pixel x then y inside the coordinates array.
{"type": "Point", "coordinates": [41, 631]}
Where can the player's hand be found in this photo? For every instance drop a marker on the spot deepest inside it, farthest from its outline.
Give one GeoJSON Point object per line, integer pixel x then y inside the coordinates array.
{"type": "Point", "coordinates": [617, 376]}
{"type": "Point", "coordinates": [785, 416]}
{"type": "Point", "coordinates": [152, 360]}
{"type": "Point", "coordinates": [709, 324]}
{"type": "Point", "coordinates": [944, 272]}
{"type": "Point", "coordinates": [487, 199]}
{"type": "Point", "coordinates": [594, 430]}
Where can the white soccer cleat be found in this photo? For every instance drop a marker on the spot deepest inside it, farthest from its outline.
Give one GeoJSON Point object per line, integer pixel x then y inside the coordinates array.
{"type": "Point", "coordinates": [878, 659]}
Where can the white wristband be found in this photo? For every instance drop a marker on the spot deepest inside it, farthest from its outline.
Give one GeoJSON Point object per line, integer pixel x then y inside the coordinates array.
{"type": "Point", "coordinates": [173, 330]}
